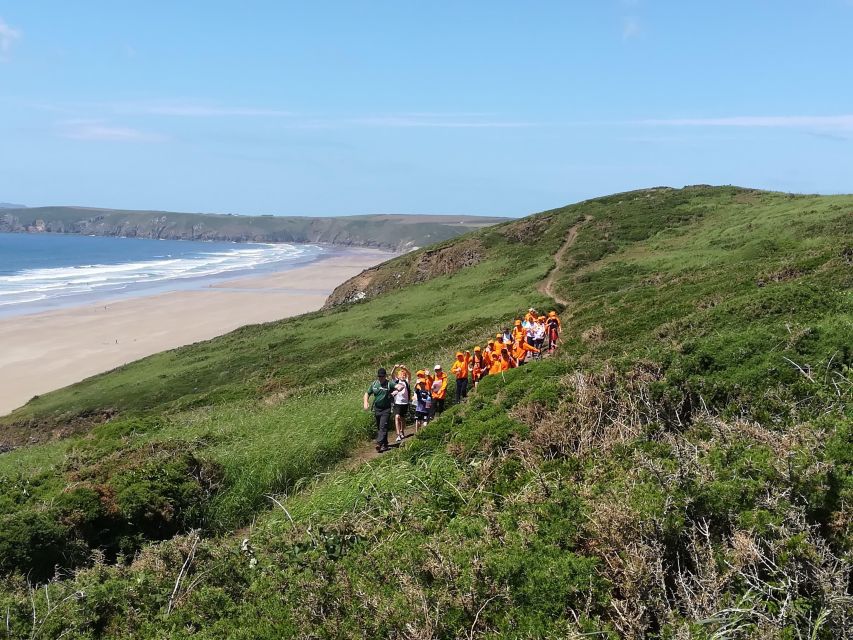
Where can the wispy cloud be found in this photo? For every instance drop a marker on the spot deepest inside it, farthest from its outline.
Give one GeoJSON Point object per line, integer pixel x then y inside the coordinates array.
{"type": "Point", "coordinates": [631, 28]}
{"type": "Point", "coordinates": [190, 110]}
{"type": "Point", "coordinates": [97, 131]}
{"type": "Point", "coordinates": [820, 122]}
{"type": "Point", "coordinates": [8, 37]}
{"type": "Point", "coordinates": [187, 109]}
{"type": "Point", "coordinates": [436, 121]}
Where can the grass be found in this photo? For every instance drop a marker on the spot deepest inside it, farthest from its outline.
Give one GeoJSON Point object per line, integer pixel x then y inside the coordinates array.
{"type": "Point", "coordinates": [681, 470]}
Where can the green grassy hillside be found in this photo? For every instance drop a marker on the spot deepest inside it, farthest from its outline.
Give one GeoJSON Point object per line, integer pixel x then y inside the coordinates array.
{"type": "Point", "coordinates": [680, 470]}
{"type": "Point", "coordinates": [400, 232]}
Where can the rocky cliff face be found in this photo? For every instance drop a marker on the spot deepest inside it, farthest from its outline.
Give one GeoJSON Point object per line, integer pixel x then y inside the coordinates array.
{"type": "Point", "coordinates": [419, 266]}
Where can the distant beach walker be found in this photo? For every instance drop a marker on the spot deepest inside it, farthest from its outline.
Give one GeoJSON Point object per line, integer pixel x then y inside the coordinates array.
{"type": "Point", "coordinates": [44, 271]}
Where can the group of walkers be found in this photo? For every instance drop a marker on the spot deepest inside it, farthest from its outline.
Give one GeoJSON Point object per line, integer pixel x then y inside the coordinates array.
{"type": "Point", "coordinates": [529, 337]}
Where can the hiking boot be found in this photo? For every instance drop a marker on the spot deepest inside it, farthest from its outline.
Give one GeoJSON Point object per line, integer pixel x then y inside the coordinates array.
{"type": "Point", "coordinates": [383, 448]}
{"type": "Point", "coordinates": [399, 438]}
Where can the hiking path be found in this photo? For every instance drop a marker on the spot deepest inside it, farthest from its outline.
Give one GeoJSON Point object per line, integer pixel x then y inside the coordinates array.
{"type": "Point", "coordinates": [547, 285]}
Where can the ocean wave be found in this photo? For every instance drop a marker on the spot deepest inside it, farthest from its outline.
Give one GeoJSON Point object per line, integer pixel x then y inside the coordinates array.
{"type": "Point", "coordinates": [34, 285]}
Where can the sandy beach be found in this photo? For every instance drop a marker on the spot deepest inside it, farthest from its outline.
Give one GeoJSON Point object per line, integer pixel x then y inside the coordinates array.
{"type": "Point", "coordinates": [46, 351]}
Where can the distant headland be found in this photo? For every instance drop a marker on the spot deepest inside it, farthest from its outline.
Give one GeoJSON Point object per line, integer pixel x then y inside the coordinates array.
{"type": "Point", "coordinates": [395, 232]}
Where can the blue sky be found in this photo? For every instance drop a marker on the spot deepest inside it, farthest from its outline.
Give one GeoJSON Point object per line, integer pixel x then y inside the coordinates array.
{"type": "Point", "coordinates": [492, 107]}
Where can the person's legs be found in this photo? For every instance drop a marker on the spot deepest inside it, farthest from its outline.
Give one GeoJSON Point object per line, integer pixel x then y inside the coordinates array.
{"type": "Point", "coordinates": [464, 388]}
{"type": "Point", "coordinates": [382, 429]}
{"type": "Point", "coordinates": [458, 390]}
{"type": "Point", "coordinates": [398, 422]}
{"type": "Point", "coordinates": [439, 406]}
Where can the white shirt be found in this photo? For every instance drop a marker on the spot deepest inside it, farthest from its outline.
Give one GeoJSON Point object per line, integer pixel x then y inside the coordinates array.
{"type": "Point", "coordinates": [402, 396]}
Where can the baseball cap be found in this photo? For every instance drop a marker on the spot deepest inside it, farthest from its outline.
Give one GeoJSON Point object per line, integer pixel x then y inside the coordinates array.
{"type": "Point", "coordinates": [381, 372]}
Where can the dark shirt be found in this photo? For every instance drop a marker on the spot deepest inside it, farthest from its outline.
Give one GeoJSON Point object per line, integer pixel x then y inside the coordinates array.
{"type": "Point", "coordinates": [381, 393]}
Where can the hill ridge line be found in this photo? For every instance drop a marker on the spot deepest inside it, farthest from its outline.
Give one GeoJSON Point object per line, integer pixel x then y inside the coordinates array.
{"type": "Point", "coordinates": [547, 285]}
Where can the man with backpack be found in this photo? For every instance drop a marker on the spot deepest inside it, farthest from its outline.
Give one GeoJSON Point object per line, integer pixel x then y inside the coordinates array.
{"type": "Point", "coordinates": [381, 390]}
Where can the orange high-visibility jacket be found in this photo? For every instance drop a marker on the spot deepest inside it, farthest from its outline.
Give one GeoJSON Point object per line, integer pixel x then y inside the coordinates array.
{"type": "Point", "coordinates": [519, 331]}
{"type": "Point", "coordinates": [460, 369]}
{"type": "Point", "coordinates": [519, 352]}
{"type": "Point", "coordinates": [442, 390]}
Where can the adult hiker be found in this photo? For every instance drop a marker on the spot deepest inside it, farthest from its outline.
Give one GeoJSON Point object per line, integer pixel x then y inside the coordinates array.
{"type": "Point", "coordinates": [402, 393]}
{"type": "Point", "coordinates": [506, 337]}
{"type": "Point", "coordinates": [423, 400]}
{"type": "Point", "coordinates": [554, 327]}
{"type": "Point", "coordinates": [460, 370]}
{"type": "Point", "coordinates": [520, 350]}
{"type": "Point", "coordinates": [439, 390]}
{"type": "Point", "coordinates": [380, 389]}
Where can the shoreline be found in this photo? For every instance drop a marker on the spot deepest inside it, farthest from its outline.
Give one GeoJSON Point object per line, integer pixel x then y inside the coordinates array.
{"type": "Point", "coordinates": [48, 350]}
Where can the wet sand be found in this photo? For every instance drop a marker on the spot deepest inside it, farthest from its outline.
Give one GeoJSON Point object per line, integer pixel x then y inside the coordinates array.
{"type": "Point", "coordinates": [49, 350]}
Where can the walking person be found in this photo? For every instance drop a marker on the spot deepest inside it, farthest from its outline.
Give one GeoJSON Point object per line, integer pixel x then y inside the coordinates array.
{"type": "Point", "coordinates": [478, 366]}
{"type": "Point", "coordinates": [423, 400]}
{"type": "Point", "coordinates": [520, 350]}
{"type": "Point", "coordinates": [554, 327]}
{"type": "Point", "coordinates": [380, 389]}
{"type": "Point", "coordinates": [439, 390]}
{"type": "Point", "coordinates": [460, 370]}
{"type": "Point", "coordinates": [402, 393]}
{"type": "Point", "coordinates": [539, 330]}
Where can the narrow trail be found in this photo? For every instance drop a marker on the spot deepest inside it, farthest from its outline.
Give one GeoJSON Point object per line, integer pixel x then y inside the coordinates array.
{"type": "Point", "coordinates": [547, 285]}
{"type": "Point", "coordinates": [367, 452]}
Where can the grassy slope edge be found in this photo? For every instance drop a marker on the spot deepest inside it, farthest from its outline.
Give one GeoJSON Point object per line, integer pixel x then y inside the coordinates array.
{"type": "Point", "coordinates": [681, 470]}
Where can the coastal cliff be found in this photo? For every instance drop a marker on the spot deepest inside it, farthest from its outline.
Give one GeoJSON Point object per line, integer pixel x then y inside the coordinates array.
{"type": "Point", "coordinates": [396, 232]}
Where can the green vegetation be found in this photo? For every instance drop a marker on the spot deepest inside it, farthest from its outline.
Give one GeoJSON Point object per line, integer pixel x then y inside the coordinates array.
{"type": "Point", "coordinates": [399, 232]}
{"type": "Point", "coordinates": [681, 470]}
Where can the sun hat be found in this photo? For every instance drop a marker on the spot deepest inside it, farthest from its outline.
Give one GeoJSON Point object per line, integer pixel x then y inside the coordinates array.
{"type": "Point", "coordinates": [437, 367]}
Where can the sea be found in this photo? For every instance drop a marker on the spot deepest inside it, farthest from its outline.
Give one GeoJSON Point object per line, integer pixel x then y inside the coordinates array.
{"type": "Point", "coordinates": [44, 271]}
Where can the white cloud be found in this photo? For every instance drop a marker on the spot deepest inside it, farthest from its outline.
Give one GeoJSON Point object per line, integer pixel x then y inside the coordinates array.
{"type": "Point", "coordinates": [820, 122]}
{"type": "Point", "coordinates": [94, 130]}
{"type": "Point", "coordinates": [8, 36]}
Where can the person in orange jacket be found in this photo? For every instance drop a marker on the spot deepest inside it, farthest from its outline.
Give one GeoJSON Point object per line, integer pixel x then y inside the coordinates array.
{"type": "Point", "coordinates": [530, 316]}
{"type": "Point", "coordinates": [554, 327]}
{"type": "Point", "coordinates": [489, 350]}
{"type": "Point", "coordinates": [518, 330]}
{"type": "Point", "coordinates": [495, 366]}
{"type": "Point", "coordinates": [520, 349]}
{"type": "Point", "coordinates": [460, 370]}
{"type": "Point", "coordinates": [507, 361]}
{"type": "Point", "coordinates": [478, 365]}
{"type": "Point", "coordinates": [439, 390]}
